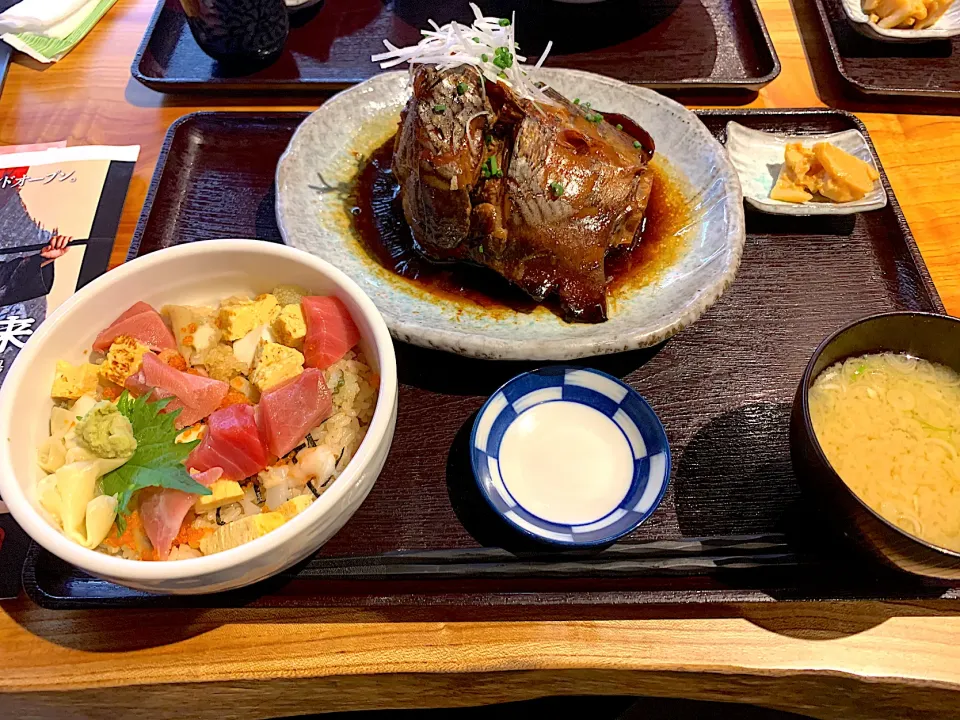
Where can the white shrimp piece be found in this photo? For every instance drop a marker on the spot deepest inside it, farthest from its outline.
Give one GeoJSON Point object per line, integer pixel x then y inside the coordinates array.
{"type": "Point", "coordinates": [316, 462]}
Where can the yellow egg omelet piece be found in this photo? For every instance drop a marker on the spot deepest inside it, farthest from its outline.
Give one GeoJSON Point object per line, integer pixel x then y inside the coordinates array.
{"type": "Point", "coordinates": [241, 531]}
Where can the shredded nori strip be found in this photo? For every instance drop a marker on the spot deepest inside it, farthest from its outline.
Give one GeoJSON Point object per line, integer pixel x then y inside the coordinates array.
{"type": "Point", "coordinates": [310, 441]}
{"type": "Point", "coordinates": [341, 455]}
{"type": "Point", "coordinates": [219, 521]}
{"type": "Point", "coordinates": [256, 491]}
{"type": "Point", "coordinates": [316, 493]}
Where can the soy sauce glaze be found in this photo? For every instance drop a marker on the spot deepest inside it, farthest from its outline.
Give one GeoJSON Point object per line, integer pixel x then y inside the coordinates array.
{"type": "Point", "coordinates": [377, 214]}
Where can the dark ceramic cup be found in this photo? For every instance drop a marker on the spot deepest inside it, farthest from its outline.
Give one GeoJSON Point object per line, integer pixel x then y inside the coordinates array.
{"type": "Point", "coordinates": [238, 31]}
{"type": "Point", "coordinates": [932, 337]}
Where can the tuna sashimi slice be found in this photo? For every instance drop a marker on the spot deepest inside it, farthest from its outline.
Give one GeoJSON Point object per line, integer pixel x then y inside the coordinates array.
{"type": "Point", "coordinates": [196, 396]}
{"type": "Point", "coordinates": [208, 456]}
{"type": "Point", "coordinates": [142, 323]}
{"type": "Point", "coordinates": [331, 331]}
{"type": "Point", "coordinates": [232, 442]}
{"type": "Point", "coordinates": [163, 510]}
{"type": "Point", "coordinates": [292, 409]}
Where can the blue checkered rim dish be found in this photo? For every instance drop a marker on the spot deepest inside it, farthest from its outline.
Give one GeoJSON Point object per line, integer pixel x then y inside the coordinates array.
{"type": "Point", "coordinates": [621, 403]}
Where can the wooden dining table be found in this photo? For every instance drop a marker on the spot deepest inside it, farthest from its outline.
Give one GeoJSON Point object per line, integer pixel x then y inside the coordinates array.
{"type": "Point", "coordinates": [825, 659]}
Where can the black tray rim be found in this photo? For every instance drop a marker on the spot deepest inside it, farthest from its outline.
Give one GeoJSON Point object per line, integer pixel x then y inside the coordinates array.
{"type": "Point", "coordinates": [243, 86]}
{"type": "Point", "coordinates": [863, 87]}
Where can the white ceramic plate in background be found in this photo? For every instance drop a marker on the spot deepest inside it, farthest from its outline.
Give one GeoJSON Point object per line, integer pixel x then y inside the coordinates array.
{"type": "Point", "coordinates": [199, 272]}
{"type": "Point", "coordinates": [758, 157]}
{"type": "Point", "coordinates": [947, 26]}
{"type": "Point", "coordinates": [360, 119]}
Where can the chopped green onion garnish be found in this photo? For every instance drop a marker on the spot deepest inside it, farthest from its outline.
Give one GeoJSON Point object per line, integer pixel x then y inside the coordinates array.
{"type": "Point", "coordinates": [476, 40]}
{"type": "Point", "coordinates": [461, 88]}
{"type": "Point", "coordinates": [586, 105]}
{"type": "Point", "coordinates": [484, 57]}
{"type": "Point", "coordinates": [636, 143]}
{"type": "Point", "coordinates": [502, 58]}
{"type": "Point", "coordinates": [556, 188]}
{"type": "Point", "coordinates": [619, 126]}
{"type": "Point", "coordinates": [488, 139]}
{"type": "Point", "coordinates": [576, 101]}
{"type": "Point", "coordinates": [490, 169]}
{"type": "Point", "coordinates": [504, 22]}
{"type": "Point", "coordinates": [481, 249]}
{"type": "Point", "coordinates": [439, 108]}
{"type": "Point", "coordinates": [594, 117]}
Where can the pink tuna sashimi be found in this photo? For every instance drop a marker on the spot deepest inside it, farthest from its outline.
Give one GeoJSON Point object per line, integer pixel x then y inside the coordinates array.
{"type": "Point", "coordinates": [207, 477]}
{"type": "Point", "coordinates": [292, 409]}
{"type": "Point", "coordinates": [196, 396]}
{"type": "Point", "coordinates": [142, 323]}
{"type": "Point", "coordinates": [163, 511]}
{"type": "Point", "coordinates": [209, 456]}
{"type": "Point", "coordinates": [232, 442]}
{"type": "Point", "coordinates": [331, 331]}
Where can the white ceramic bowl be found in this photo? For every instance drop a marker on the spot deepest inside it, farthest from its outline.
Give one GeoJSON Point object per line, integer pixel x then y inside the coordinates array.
{"type": "Point", "coordinates": [199, 272]}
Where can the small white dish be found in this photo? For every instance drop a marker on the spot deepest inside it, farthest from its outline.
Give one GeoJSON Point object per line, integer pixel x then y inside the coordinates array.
{"type": "Point", "coordinates": [947, 26]}
{"type": "Point", "coordinates": [758, 157]}
{"type": "Point", "coordinates": [570, 456]}
{"type": "Point", "coordinates": [196, 272]}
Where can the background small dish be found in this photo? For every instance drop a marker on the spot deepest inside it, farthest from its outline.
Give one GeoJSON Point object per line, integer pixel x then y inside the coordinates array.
{"type": "Point", "coordinates": [640, 430]}
{"type": "Point", "coordinates": [947, 26]}
{"type": "Point", "coordinates": [194, 273]}
{"type": "Point", "coordinates": [925, 335]}
{"type": "Point", "coordinates": [758, 157]}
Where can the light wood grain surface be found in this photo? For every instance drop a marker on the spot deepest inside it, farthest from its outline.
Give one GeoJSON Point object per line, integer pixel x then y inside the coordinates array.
{"type": "Point", "coordinates": [830, 660]}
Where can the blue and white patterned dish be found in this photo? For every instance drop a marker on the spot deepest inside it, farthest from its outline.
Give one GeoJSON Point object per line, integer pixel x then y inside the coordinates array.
{"type": "Point", "coordinates": [637, 431]}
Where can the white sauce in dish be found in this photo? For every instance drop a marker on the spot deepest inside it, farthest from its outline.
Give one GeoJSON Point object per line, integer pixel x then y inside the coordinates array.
{"type": "Point", "coordinates": [566, 463]}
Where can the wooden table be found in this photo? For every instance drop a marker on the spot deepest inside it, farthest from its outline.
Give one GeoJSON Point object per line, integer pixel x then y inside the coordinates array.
{"type": "Point", "coordinates": [843, 660]}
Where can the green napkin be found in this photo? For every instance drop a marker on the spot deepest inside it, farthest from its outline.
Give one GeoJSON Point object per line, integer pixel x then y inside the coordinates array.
{"type": "Point", "coordinates": [63, 37]}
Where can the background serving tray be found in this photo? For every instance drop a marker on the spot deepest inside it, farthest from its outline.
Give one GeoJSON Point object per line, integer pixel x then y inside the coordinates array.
{"type": "Point", "coordinates": [930, 69]}
{"type": "Point", "coordinates": [665, 44]}
{"type": "Point", "coordinates": [733, 526]}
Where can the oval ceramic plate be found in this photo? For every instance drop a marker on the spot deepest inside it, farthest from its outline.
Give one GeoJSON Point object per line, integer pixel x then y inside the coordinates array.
{"type": "Point", "coordinates": [323, 157]}
{"type": "Point", "coordinates": [758, 157]}
{"type": "Point", "coordinates": [947, 26]}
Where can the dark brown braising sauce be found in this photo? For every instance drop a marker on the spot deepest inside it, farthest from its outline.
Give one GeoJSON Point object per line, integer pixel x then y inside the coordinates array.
{"type": "Point", "coordinates": [377, 212]}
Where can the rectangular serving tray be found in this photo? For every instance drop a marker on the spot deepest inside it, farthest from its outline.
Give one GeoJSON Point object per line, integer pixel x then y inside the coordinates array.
{"type": "Point", "coordinates": [921, 70]}
{"type": "Point", "coordinates": [733, 526]}
{"type": "Point", "coordinates": [690, 45]}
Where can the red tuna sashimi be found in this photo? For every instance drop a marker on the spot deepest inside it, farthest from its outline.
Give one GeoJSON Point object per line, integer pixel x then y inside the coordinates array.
{"type": "Point", "coordinates": [232, 442]}
{"type": "Point", "coordinates": [196, 396]}
{"type": "Point", "coordinates": [163, 511]}
{"type": "Point", "coordinates": [142, 323]}
{"type": "Point", "coordinates": [293, 408]}
{"type": "Point", "coordinates": [330, 331]}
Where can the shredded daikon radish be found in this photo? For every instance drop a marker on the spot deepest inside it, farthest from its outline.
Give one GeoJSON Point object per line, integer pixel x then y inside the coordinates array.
{"type": "Point", "coordinates": [489, 45]}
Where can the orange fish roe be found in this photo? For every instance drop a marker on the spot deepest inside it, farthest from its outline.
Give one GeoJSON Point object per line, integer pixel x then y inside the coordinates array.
{"type": "Point", "coordinates": [130, 534]}
{"type": "Point", "coordinates": [190, 535]}
{"type": "Point", "coordinates": [110, 392]}
{"type": "Point", "coordinates": [234, 397]}
{"type": "Point", "coordinates": [173, 359]}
